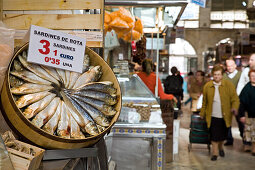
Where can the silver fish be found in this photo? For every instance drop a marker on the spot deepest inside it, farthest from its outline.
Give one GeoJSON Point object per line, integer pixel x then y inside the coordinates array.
{"type": "Point", "coordinates": [52, 124]}
{"type": "Point", "coordinates": [17, 66]}
{"type": "Point", "coordinates": [67, 76]}
{"type": "Point", "coordinates": [52, 72]}
{"type": "Point", "coordinates": [100, 128]}
{"type": "Point", "coordinates": [89, 76]}
{"type": "Point", "coordinates": [75, 130]}
{"type": "Point", "coordinates": [31, 98]}
{"type": "Point", "coordinates": [30, 77]}
{"type": "Point", "coordinates": [64, 123]}
{"type": "Point", "coordinates": [38, 70]}
{"type": "Point", "coordinates": [36, 107]}
{"type": "Point", "coordinates": [107, 98]}
{"type": "Point", "coordinates": [103, 86]}
{"type": "Point", "coordinates": [97, 115]}
{"type": "Point", "coordinates": [44, 115]}
{"type": "Point", "coordinates": [62, 75]}
{"type": "Point", "coordinates": [100, 105]}
{"type": "Point", "coordinates": [14, 81]}
{"type": "Point", "coordinates": [86, 62]}
{"type": "Point", "coordinates": [28, 88]}
{"type": "Point", "coordinates": [84, 120]}
{"type": "Point", "coordinates": [74, 75]}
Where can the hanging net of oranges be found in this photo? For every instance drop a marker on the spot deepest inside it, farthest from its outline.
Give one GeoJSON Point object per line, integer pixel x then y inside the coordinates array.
{"type": "Point", "coordinates": [126, 26]}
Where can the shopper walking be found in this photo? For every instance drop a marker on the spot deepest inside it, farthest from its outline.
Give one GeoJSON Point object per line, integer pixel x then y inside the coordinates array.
{"type": "Point", "coordinates": [247, 104]}
{"type": "Point", "coordinates": [195, 88]}
{"type": "Point", "coordinates": [189, 76]}
{"type": "Point", "coordinates": [233, 75]}
{"type": "Point", "coordinates": [244, 79]}
{"type": "Point", "coordinates": [219, 102]}
{"type": "Point", "coordinates": [149, 78]}
{"type": "Point", "coordinates": [173, 85]}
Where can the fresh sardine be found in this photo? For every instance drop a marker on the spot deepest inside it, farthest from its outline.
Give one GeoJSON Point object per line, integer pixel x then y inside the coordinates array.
{"type": "Point", "coordinates": [17, 66]}
{"type": "Point", "coordinates": [103, 86]}
{"type": "Point", "coordinates": [64, 125]}
{"type": "Point", "coordinates": [73, 78]}
{"type": "Point", "coordinates": [31, 98]}
{"type": "Point", "coordinates": [14, 81]}
{"type": "Point", "coordinates": [100, 128]}
{"type": "Point", "coordinates": [97, 115]}
{"type": "Point", "coordinates": [62, 75]}
{"type": "Point", "coordinates": [86, 62]}
{"type": "Point", "coordinates": [52, 124]}
{"type": "Point", "coordinates": [28, 88]}
{"type": "Point", "coordinates": [84, 120]}
{"type": "Point", "coordinates": [52, 72]}
{"type": "Point", "coordinates": [100, 105]}
{"type": "Point", "coordinates": [75, 130]}
{"type": "Point", "coordinates": [107, 98]}
{"type": "Point", "coordinates": [89, 76]}
{"type": "Point", "coordinates": [30, 77]}
{"type": "Point", "coordinates": [38, 70]}
{"type": "Point", "coordinates": [36, 107]}
{"type": "Point", "coordinates": [67, 75]}
{"type": "Point", "coordinates": [75, 75]}
{"type": "Point", "coordinates": [44, 116]}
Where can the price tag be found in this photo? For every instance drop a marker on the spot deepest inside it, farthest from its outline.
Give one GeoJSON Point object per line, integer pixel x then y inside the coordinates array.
{"type": "Point", "coordinates": [56, 49]}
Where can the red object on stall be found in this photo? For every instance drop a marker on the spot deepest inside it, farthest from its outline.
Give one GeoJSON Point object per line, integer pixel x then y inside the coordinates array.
{"type": "Point", "coordinates": [133, 45]}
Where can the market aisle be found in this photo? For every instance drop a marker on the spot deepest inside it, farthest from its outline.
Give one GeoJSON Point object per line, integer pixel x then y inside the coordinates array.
{"type": "Point", "coordinates": [199, 159]}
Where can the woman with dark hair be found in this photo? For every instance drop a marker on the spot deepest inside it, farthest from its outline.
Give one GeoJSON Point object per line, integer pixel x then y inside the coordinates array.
{"type": "Point", "coordinates": [149, 78]}
{"type": "Point", "coordinates": [195, 88]}
{"type": "Point", "coordinates": [220, 101]}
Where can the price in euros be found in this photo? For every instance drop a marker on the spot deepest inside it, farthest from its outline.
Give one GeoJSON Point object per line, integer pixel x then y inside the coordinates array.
{"type": "Point", "coordinates": [52, 60]}
{"type": "Point", "coordinates": [46, 49]}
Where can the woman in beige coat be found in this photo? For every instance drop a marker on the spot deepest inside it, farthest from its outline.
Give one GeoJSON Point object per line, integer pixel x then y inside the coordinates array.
{"type": "Point", "coordinates": [195, 88]}
{"type": "Point", "coordinates": [220, 101]}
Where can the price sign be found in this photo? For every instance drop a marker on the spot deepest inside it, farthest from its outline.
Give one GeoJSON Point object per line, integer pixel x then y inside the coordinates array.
{"type": "Point", "coordinates": [56, 49]}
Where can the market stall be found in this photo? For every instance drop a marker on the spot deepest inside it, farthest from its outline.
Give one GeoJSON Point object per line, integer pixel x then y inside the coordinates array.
{"type": "Point", "coordinates": [140, 133]}
{"type": "Point", "coordinates": [37, 99]}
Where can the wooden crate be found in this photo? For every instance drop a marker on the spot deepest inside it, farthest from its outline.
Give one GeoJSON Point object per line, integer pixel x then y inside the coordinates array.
{"type": "Point", "coordinates": [58, 15]}
{"type": "Point", "coordinates": [23, 161]}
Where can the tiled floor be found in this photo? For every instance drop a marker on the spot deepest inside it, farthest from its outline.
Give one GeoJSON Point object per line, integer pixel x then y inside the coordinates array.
{"type": "Point", "coordinates": [198, 158]}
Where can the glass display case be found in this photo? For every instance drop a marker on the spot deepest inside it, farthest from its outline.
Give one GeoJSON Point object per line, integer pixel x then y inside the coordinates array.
{"type": "Point", "coordinates": [139, 133]}
{"type": "Point", "coordinates": [138, 102]}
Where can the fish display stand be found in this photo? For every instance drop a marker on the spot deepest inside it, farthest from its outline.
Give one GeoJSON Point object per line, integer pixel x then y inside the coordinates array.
{"type": "Point", "coordinates": [137, 146]}
{"type": "Point", "coordinates": [90, 158]}
{"type": "Point", "coordinates": [138, 139]}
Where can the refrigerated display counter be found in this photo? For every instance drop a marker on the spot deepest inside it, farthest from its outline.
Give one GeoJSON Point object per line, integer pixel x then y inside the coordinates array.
{"type": "Point", "coordinates": [137, 139]}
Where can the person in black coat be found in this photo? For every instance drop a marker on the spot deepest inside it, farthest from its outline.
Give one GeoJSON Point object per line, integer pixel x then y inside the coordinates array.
{"type": "Point", "coordinates": [173, 85]}
{"type": "Point", "coordinates": [247, 104]}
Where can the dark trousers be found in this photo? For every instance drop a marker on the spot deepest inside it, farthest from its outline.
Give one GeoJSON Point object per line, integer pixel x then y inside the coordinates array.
{"type": "Point", "coordinates": [179, 103]}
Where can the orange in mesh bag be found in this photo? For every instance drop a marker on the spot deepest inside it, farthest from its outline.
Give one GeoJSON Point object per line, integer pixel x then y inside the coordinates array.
{"type": "Point", "coordinates": [114, 14]}
{"type": "Point", "coordinates": [126, 15]}
{"type": "Point", "coordinates": [138, 25]}
{"type": "Point", "coordinates": [107, 28]}
{"type": "Point", "coordinates": [118, 23]}
{"type": "Point", "coordinates": [107, 17]}
{"type": "Point", "coordinates": [135, 36]}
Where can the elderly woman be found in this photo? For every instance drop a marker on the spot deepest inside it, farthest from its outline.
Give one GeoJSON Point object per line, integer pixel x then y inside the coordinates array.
{"type": "Point", "coordinates": [220, 101]}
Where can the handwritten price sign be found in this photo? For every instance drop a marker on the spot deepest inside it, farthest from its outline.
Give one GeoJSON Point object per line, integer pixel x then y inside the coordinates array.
{"type": "Point", "coordinates": [56, 49]}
